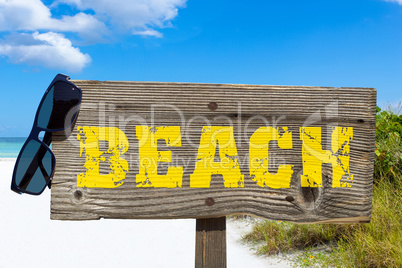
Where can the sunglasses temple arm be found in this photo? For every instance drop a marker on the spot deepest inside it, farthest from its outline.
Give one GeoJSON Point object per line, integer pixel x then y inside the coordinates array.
{"type": "Point", "coordinates": [36, 161]}
{"type": "Point", "coordinates": [44, 173]}
{"type": "Point", "coordinates": [47, 139]}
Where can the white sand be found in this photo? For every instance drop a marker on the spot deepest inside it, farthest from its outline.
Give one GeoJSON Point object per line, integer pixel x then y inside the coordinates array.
{"type": "Point", "coordinates": [28, 238]}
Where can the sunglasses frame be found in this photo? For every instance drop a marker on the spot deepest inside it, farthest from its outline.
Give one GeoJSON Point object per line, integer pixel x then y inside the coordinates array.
{"type": "Point", "coordinates": [34, 135]}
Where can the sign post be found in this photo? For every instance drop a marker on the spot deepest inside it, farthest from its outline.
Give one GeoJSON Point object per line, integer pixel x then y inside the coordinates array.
{"type": "Point", "coordinates": [144, 150]}
{"type": "Point", "coordinates": [210, 243]}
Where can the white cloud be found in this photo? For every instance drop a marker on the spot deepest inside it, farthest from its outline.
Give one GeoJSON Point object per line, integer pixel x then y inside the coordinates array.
{"type": "Point", "coordinates": [148, 32]}
{"type": "Point", "coordinates": [95, 21]}
{"type": "Point", "coordinates": [395, 1]}
{"type": "Point", "coordinates": [51, 50]}
{"type": "Point", "coordinates": [33, 15]}
{"type": "Point", "coordinates": [136, 17]}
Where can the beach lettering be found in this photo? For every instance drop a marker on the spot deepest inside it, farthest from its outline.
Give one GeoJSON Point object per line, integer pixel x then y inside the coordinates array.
{"type": "Point", "coordinates": [212, 139]}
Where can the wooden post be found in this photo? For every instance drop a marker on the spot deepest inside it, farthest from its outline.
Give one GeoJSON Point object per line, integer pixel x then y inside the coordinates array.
{"type": "Point", "coordinates": [210, 243]}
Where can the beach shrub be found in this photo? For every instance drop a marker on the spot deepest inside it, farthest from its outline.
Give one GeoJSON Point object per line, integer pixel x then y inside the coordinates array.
{"type": "Point", "coordinates": [388, 148]}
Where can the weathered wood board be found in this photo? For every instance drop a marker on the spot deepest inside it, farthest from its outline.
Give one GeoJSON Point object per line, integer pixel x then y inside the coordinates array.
{"type": "Point", "coordinates": [285, 118]}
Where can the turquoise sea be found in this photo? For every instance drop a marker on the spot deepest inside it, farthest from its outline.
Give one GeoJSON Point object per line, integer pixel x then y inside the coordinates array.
{"type": "Point", "coordinates": [10, 147]}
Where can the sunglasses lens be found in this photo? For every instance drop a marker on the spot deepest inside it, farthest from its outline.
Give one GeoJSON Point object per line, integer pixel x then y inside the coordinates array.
{"type": "Point", "coordinates": [34, 167]}
{"type": "Point", "coordinates": [59, 107]}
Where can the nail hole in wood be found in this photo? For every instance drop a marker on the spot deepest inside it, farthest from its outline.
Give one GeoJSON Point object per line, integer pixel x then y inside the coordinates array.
{"type": "Point", "coordinates": [289, 198]}
{"type": "Point", "coordinates": [78, 194]}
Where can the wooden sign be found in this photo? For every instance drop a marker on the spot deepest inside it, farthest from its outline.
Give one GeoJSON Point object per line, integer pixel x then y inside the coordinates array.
{"type": "Point", "coordinates": [179, 150]}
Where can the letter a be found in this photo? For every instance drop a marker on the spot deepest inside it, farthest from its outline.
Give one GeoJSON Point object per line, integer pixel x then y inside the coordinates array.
{"type": "Point", "coordinates": [206, 166]}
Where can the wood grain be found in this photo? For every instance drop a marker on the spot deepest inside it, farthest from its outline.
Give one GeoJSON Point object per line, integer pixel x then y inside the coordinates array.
{"type": "Point", "coordinates": [246, 108]}
{"type": "Point", "coordinates": [210, 243]}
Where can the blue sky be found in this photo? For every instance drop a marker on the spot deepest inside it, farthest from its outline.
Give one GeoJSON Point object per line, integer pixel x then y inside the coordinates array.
{"type": "Point", "coordinates": [311, 43]}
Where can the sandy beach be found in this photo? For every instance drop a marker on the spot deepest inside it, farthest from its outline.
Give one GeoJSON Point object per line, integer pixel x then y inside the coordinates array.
{"type": "Point", "coordinates": [28, 238]}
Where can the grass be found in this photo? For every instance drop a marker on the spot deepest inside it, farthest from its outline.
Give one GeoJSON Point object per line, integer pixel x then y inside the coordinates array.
{"type": "Point", "coordinates": [276, 237]}
{"type": "Point", "coordinates": [310, 258]}
{"type": "Point", "coordinates": [377, 244]}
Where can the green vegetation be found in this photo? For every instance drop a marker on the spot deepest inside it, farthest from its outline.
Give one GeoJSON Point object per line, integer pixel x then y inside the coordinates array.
{"type": "Point", "coordinates": [377, 244]}
{"type": "Point", "coordinates": [388, 147]}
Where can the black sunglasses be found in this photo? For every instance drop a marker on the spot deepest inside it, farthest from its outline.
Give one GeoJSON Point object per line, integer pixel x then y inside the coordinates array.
{"type": "Point", "coordinates": [57, 111]}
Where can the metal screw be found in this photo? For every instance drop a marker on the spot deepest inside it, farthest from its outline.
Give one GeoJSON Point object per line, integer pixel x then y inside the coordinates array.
{"type": "Point", "coordinates": [209, 201]}
{"type": "Point", "coordinates": [213, 106]}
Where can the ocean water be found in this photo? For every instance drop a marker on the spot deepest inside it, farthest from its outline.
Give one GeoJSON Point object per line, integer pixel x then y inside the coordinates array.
{"type": "Point", "coordinates": [10, 147]}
